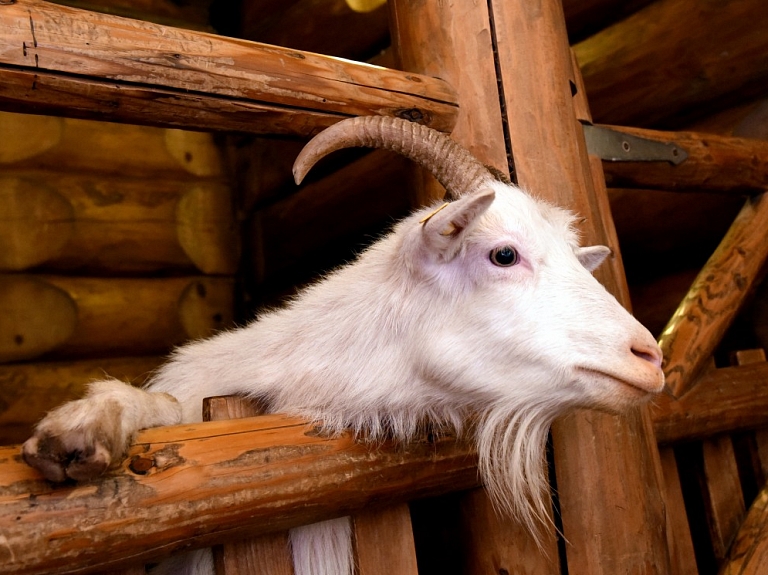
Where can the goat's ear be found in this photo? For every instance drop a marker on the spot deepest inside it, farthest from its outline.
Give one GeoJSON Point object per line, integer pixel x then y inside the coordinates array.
{"type": "Point", "coordinates": [591, 257]}
{"type": "Point", "coordinates": [444, 229]}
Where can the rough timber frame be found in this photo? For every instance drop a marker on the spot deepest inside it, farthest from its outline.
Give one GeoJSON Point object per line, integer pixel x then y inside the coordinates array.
{"type": "Point", "coordinates": [509, 67]}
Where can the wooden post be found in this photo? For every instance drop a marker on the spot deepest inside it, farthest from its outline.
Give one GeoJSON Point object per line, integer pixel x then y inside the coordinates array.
{"type": "Point", "coordinates": [456, 43]}
{"type": "Point", "coordinates": [269, 554]}
{"type": "Point", "coordinates": [607, 467]}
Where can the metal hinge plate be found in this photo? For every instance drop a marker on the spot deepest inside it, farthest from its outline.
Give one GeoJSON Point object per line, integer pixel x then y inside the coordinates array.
{"type": "Point", "coordinates": [616, 146]}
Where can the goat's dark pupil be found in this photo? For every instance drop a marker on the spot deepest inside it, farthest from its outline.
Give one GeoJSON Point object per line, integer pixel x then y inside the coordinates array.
{"type": "Point", "coordinates": [505, 256]}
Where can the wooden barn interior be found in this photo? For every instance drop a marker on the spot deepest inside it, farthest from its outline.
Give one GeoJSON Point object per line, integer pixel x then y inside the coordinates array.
{"type": "Point", "coordinates": [146, 199]}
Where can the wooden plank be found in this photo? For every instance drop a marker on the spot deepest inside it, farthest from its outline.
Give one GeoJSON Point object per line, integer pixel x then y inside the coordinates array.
{"type": "Point", "coordinates": [197, 485]}
{"type": "Point", "coordinates": [601, 461]}
{"type": "Point", "coordinates": [269, 554]}
{"type": "Point", "coordinates": [648, 67]}
{"type": "Point", "coordinates": [76, 317]}
{"type": "Point", "coordinates": [715, 297]}
{"type": "Point", "coordinates": [495, 544]}
{"type": "Point", "coordinates": [455, 42]}
{"type": "Point", "coordinates": [723, 497]}
{"type": "Point", "coordinates": [714, 164]}
{"type": "Point", "coordinates": [383, 541]}
{"type": "Point", "coordinates": [681, 552]}
{"type": "Point", "coordinates": [725, 399]}
{"type": "Point", "coordinates": [54, 59]}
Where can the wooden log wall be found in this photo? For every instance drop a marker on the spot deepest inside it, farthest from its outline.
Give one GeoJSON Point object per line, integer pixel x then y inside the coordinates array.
{"type": "Point", "coordinates": [117, 242]}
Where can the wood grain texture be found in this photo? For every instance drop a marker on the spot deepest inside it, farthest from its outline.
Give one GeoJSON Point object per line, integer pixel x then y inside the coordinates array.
{"type": "Point", "coordinates": [269, 554]}
{"type": "Point", "coordinates": [209, 483]}
{"type": "Point", "coordinates": [749, 552]}
{"type": "Point", "coordinates": [48, 52]}
{"type": "Point", "coordinates": [76, 317]}
{"type": "Point", "coordinates": [454, 42]}
{"type": "Point", "coordinates": [724, 500]}
{"type": "Point", "coordinates": [681, 552]}
{"type": "Point", "coordinates": [714, 164]}
{"type": "Point", "coordinates": [383, 541]}
{"type": "Point", "coordinates": [598, 458]}
{"type": "Point", "coordinates": [715, 297]}
{"type": "Point", "coordinates": [673, 56]}
{"type": "Point", "coordinates": [725, 399]}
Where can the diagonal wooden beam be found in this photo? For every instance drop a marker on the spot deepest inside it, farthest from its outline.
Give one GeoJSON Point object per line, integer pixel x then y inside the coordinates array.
{"type": "Point", "coordinates": [197, 485]}
{"type": "Point", "coordinates": [716, 296]}
{"type": "Point", "coordinates": [56, 59]}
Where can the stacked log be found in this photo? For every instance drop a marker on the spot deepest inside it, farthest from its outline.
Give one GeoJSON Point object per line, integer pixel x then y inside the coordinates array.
{"type": "Point", "coordinates": [117, 243]}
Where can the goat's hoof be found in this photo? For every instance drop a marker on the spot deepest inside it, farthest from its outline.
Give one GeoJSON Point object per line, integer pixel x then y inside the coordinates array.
{"type": "Point", "coordinates": [62, 458]}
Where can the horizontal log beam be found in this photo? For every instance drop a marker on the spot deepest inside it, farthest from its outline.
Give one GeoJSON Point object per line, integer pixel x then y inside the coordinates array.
{"type": "Point", "coordinates": [722, 400]}
{"type": "Point", "coordinates": [203, 484]}
{"type": "Point", "coordinates": [714, 164]}
{"type": "Point", "coordinates": [67, 317]}
{"type": "Point", "coordinates": [60, 60]}
{"type": "Point", "coordinates": [647, 68]}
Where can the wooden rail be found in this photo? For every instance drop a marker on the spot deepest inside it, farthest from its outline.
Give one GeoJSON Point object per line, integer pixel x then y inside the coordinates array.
{"type": "Point", "coordinates": [64, 61]}
{"type": "Point", "coordinates": [197, 485]}
{"type": "Point", "coordinates": [714, 164]}
{"type": "Point", "coordinates": [721, 400]}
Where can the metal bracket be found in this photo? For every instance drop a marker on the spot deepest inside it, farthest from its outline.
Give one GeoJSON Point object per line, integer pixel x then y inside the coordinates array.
{"type": "Point", "coordinates": [616, 146]}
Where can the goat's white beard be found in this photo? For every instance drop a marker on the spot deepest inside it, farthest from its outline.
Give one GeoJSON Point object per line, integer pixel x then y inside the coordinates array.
{"type": "Point", "coordinates": [511, 443]}
{"type": "Point", "coordinates": [512, 447]}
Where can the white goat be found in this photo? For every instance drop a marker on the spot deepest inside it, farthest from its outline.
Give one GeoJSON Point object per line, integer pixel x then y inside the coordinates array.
{"type": "Point", "coordinates": [483, 306]}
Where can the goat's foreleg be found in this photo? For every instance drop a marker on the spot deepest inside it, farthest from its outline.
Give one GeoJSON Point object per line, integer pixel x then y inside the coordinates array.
{"type": "Point", "coordinates": [82, 439]}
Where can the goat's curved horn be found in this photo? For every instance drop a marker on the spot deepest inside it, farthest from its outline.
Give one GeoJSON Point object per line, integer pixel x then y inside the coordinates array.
{"type": "Point", "coordinates": [453, 166]}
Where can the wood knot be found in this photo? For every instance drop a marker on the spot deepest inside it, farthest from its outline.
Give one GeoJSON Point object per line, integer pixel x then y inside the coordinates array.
{"type": "Point", "coordinates": [141, 465]}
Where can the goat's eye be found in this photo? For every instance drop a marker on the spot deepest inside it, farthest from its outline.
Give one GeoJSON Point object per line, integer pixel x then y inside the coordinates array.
{"type": "Point", "coordinates": [504, 256]}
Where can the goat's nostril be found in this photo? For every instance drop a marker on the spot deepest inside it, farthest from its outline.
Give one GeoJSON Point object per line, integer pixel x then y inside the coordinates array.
{"type": "Point", "coordinates": [654, 358]}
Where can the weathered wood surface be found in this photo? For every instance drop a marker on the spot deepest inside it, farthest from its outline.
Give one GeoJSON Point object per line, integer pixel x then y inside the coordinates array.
{"type": "Point", "coordinates": [56, 59]}
{"type": "Point", "coordinates": [672, 57]}
{"type": "Point", "coordinates": [29, 390]}
{"type": "Point", "coordinates": [716, 296]}
{"type": "Point", "coordinates": [270, 553]}
{"type": "Point", "coordinates": [598, 458]}
{"type": "Point", "coordinates": [722, 400]}
{"type": "Point", "coordinates": [383, 541]}
{"type": "Point", "coordinates": [202, 484]}
{"type": "Point", "coordinates": [724, 499]}
{"type": "Point", "coordinates": [714, 164]}
{"type": "Point", "coordinates": [749, 552]}
{"type": "Point", "coordinates": [681, 552]}
{"type": "Point", "coordinates": [67, 316]}
{"type": "Point", "coordinates": [455, 42]}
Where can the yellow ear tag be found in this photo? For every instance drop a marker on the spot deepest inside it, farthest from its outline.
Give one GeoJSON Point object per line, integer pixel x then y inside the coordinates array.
{"type": "Point", "coordinates": [425, 219]}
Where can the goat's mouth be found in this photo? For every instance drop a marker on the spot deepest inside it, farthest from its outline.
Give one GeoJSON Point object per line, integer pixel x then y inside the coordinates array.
{"type": "Point", "coordinates": [641, 387]}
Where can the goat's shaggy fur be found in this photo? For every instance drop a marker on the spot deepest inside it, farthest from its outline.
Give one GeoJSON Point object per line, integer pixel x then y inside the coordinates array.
{"type": "Point", "coordinates": [424, 326]}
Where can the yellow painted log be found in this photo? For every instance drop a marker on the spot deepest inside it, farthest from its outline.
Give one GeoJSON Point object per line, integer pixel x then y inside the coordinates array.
{"type": "Point", "coordinates": [68, 317]}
